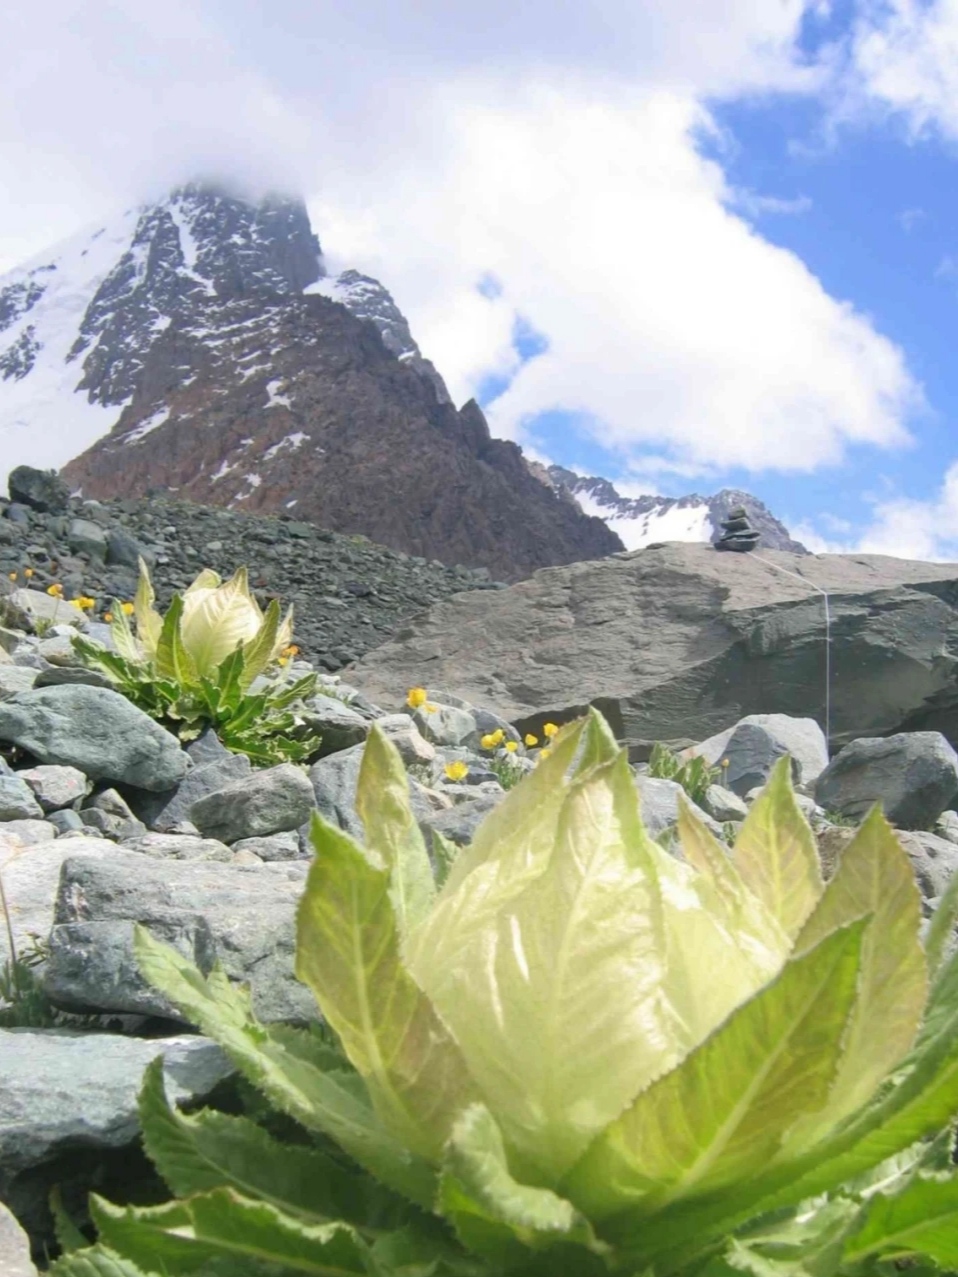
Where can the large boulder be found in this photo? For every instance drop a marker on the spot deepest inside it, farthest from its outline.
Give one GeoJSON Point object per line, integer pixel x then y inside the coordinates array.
{"type": "Point", "coordinates": [242, 916]}
{"type": "Point", "coordinates": [98, 731]}
{"type": "Point", "coordinates": [676, 642]}
{"type": "Point", "coordinates": [914, 775]}
{"type": "Point", "coordinates": [748, 751]}
{"type": "Point", "coordinates": [42, 490]}
{"type": "Point", "coordinates": [267, 802]}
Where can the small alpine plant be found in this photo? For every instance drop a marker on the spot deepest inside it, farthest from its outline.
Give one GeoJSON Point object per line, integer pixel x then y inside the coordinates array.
{"type": "Point", "coordinates": [580, 1055]}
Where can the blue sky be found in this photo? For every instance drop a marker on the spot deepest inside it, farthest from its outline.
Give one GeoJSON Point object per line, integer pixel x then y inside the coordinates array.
{"type": "Point", "coordinates": [687, 246]}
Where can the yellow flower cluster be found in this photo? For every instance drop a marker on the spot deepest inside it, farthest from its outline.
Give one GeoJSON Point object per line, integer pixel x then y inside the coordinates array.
{"type": "Point", "coordinates": [84, 602]}
{"type": "Point", "coordinates": [492, 740]}
{"type": "Point", "coordinates": [27, 574]}
{"type": "Point", "coordinates": [457, 770]}
{"type": "Point", "coordinates": [55, 590]}
{"type": "Point", "coordinates": [418, 698]}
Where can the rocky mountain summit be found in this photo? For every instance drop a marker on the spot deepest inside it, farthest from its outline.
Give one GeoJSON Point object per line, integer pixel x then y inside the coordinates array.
{"type": "Point", "coordinates": [198, 347]}
{"type": "Point", "coordinates": [644, 520]}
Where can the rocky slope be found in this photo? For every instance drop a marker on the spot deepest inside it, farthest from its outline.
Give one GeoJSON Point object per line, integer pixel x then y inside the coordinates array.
{"type": "Point", "coordinates": [197, 347]}
{"type": "Point", "coordinates": [645, 520]}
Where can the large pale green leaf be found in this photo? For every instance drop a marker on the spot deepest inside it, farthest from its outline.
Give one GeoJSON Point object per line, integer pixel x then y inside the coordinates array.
{"type": "Point", "coordinates": [195, 1153]}
{"type": "Point", "coordinates": [172, 658]}
{"type": "Point", "coordinates": [348, 952]}
{"type": "Point", "coordinates": [502, 1219]}
{"type": "Point", "coordinates": [556, 992]}
{"type": "Point", "coordinates": [392, 832]}
{"type": "Point", "coordinates": [921, 1222]}
{"type": "Point", "coordinates": [244, 1235]}
{"type": "Point", "coordinates": [97, 1261]}
{"type": "Point", "coordinates": [721, 1115]}
{"type": "Point", "coordinates": [122, 636]}
{"type": "Point", "coordinates": [942, 928]}
{"type": "Point", "coordinates": [149, 623]}
{"type": "Point", "coordinates": [261, 648]}
{"type": "Point", "coordinates": [776, 854]}
{"type": "Point", "coordinates": [874, 877]}
{"type": "Point", "coordinates": [321, 1100]}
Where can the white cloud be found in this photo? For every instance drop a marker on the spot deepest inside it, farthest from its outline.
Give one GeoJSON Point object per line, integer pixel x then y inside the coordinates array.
{"type": "Point", "coordinates": [906, 55]}
{"type": "Point", "coordinates": [672, 324]}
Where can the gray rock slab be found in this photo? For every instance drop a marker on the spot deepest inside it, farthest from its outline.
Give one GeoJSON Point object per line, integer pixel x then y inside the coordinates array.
{"type": "Point", "coordinates": [285, 846]}
{"type": "Point", "coordinates": [914, 775]}
{"type": "Point", "coordinates": [65, 675]}
{"type": "Point", "coordinates": [86, 537]}
{"type": "Point", "coordinates": [179, 847]}
{"type": "Point", "coordinates": [17, 801]}
{"type": "Point", "coordinates": [459, 823]}
{"type": "Point", "coordinates": [41, 490]}
{"type": "Point", "coordinates": [23, 607]}
{"type": "Point", "coordinates": [266, 802]}
{"type": "Point", "coordinates": [724, 805]}
{"type": "Point", "coordinates": [242, 916]}
{"type": "Point", "coordinates": [66, 1088]}
{"type": "Point", "coordinates": [659, 805]}
{"type": "Point", "coordinates": [55, 787]}
{"type": "Point", "coordinates": [946, 826]}
{"type": "Point", "coordinates": [31, 875]}
{"type": "Point", "coordinates": [169, 812]}
{"type": "Point", "coordinates": [16, 678]}
{"type": "Point", "coordinates": [15, 1258]}
{"type": "Point", "coordinates": [677, 642]}
{"type": "Point", "coordinates": [98, 731]}
{"type": "Point", "coordinates": [750, 749]}
{"type": "Point", "coordinates": [339, 726]}
{"type": "Point", "coordinates": [26, 833]}
{"type": "Point", "coordinates": [406, 736]}
{"type": "Point", "coordinates": [447, 725]}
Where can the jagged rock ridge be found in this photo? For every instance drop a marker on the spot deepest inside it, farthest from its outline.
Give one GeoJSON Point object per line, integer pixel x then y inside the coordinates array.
{"type": "Point", "coordinates": [643, 520]}
{"type": "Point", "coordinates": [190, 348]}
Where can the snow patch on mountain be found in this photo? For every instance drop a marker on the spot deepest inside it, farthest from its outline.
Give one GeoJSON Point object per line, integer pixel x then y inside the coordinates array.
{"type": "Point", "coordinates": [661, 523]}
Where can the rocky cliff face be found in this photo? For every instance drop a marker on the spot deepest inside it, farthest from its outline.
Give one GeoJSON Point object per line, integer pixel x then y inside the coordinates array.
{"type": "Point", "coordinates": [644, 520]}
{"type": "Point", "coordinates": [198, 347]}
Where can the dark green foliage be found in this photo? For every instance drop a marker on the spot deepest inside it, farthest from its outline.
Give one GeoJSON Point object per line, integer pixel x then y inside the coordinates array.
{"type": "Point", "coordinates": [694, 774]}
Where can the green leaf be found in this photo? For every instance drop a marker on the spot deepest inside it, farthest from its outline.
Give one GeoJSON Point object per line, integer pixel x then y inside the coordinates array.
{"type": "Point", "coordinates": [321, 1101]}
{"type": "Point", "coordinates": [874, 877]}
{"type": "Point", "coordinates": [215, 1150]}
{"type": "Point", "coordinates": [231, 680]}
{"type": "Point", "coordinates": [172, 659]}
{"type": "Point", "coordinates": [149, 623]}
{"type": "Point", "coordinates": [392, 832]}
{"type": "Point", "coordinates": [547, 963]}
{"type": "Point", "coordinates": [68, 1235]}
{"type": "Point", "coordinates": [921, 1222]}
{"type": "Point", "coordinates": [98, 1261]}
{"type": "Point", "coordinates": [240, 1236]}
{"type": "Point", "coordinates": [722, 1114]}
{"type": "Point", "coordinates": [941, 930]}
{"type": "Point", "coordinates": [122, 635]}
{"type": "Point", "coordinates": [776, 854]}
{"type": "Point", "coordinates": [445, 854]}
{"type": "Point", "coordinates": [258, 652]}
{"type": "Point", "coordinates": [348, 952]}
{"type": "Point", "coordinates": [496, 1216]}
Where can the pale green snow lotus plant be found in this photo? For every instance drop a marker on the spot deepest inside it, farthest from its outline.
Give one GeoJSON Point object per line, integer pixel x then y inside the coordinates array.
{"type": "Point", "coordinates": [578, 1055]}
{"type": "Point", "coordinates": [194, 667]}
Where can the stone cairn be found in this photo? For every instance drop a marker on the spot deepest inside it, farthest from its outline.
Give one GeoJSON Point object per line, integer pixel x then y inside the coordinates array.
{"type": "Point", "coordinates": [737, 533]}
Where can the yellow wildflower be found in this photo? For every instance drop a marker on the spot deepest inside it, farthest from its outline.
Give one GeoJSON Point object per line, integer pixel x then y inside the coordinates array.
{"type": "Point", "coordinates": [28, 572]}
{"type": "Point", "coordinates": [282, 660]}
{"type": "Point", "coordinates": [126, 609]}
{"type": "Point", "coordinates": [545, 751]}
{"type": "Point", "coordinates": [416, 696]}
{"type": "Point", "coordinates": [512, 746]}
{"type": "Point", "coordinates": [291, 650]}
{"type": "Point", "coordinates": [430, 708]}
{"type": "Point", "coordinates": [456, 770]}
{"type": "Point", "coordinates": [55, 590]}
{"type": "Point", "coordinates": [85, 603]}
{"type": "Point", "coordinates": [530, 740]}
{"type": "Point", "coordinates": [108, 617]}
{"type": "Point", "coordinates": [486, 742]}
{"type": "Point", "coordinates": [12, 576]}
{"type": "Point", "coordinates": [549, 730]}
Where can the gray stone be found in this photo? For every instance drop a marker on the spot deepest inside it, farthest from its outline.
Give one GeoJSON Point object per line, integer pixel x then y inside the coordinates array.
{"type": "Point", "coordinates": [15, 1258]}
{"type": "Point", "coordinates": [677, 642]}
{"type": "Point", "coordinates": [86, 537]}
{"type": "Point", "coordinates": [914, 775]}
{"type": "Point", "coordinates": [946, 826]}
{"type": "Point", "coordinates": [169, 812]}
{"type": "Point", "coordinates": [459, 823]}
{"type": "Point", "coordinates": [27, 833]}
{"type": "Point", "coordinates": [67, 821]}
{"type": "Point", "coordinates": [109, 801]}
{"type": "Point", "coordinates": [30, 877]}
{"type": "Point", "coordinates": [60, 675]}
{"type": "Point", "coordinates": [16, 678]}
{"type": "Point", "coordinates": [339, 726]}
{"type": "Point", "coordinates": [124, 550]}
{"type": "Point", "coordinates": [724, 805]}
{"type": "Point", "coordinates": [99, 732]}
{"type": "Point", "coordinates": [208, 748]}
{"type": "Point", "coordinates": [335, 779]}
{"type": "Point", "coordinates": [935, 861]}
{"type": "Point", "coordinates": [41, 490]}
{"type": "Point", "coordinates": [406, 736]}
{"type": "Point", "coordinates": [753, 746]}
{"type": "Point", "coordinates": [659, 805]}
{"type": "Point", "coordinates": [56, 787]}
{"type": "Point", "coordinates": [115, 827]}
{"type": "Point", "coordinates": [24, 608]}
{"type": "Point", "coordinates": [17, 801]}
{"type": "Point", "coordinates": [179, 847]}
{"type": "Point", "coordinates": [447, 725]}
{"type": "Point", "coordinates": [267, 802]}
{"type": "Point", "coordinates": [58, 649]}
{"type": "Point", "coordinates": [241, 916]}
{"type": "Point", "coordinates": [283, 846]}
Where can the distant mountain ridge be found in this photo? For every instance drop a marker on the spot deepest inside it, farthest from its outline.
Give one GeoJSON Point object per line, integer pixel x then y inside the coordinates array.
{"type": "Point", "coordinates": [644, 520]}
{"type": "Point", "coordinates": [197, 346]}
